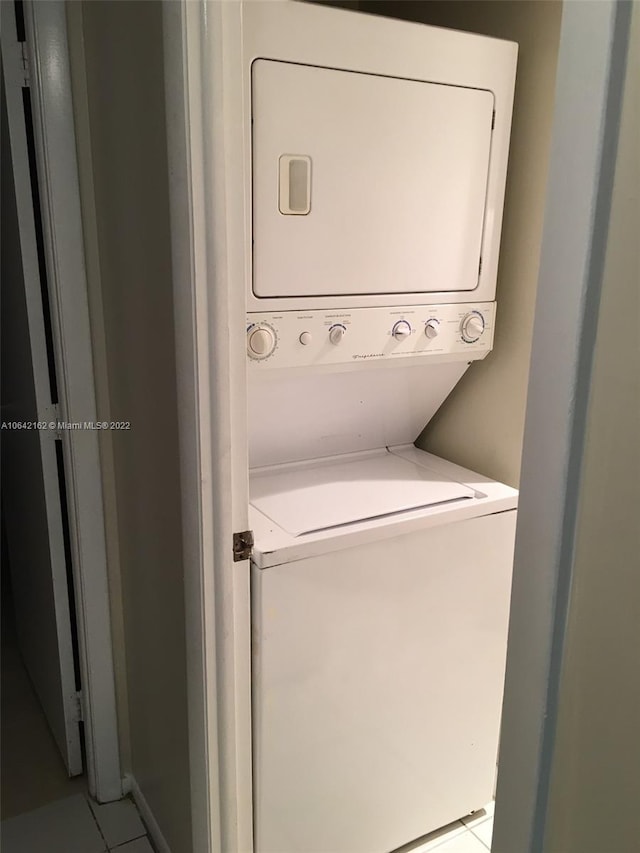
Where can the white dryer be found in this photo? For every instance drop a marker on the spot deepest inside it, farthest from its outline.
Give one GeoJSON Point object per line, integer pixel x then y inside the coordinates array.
{"type": "Point", "coordinates": [376, 156]}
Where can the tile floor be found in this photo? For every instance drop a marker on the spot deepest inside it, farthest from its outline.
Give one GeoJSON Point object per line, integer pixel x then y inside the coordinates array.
{"type": "Point", "coordinates": [43, 811]}
{"type": "Point", "coordinates": [470, 835]}
{"type": "Point", "coordinates": [31, 770]}
{"type": "Point", "coordinates": [76, 825]}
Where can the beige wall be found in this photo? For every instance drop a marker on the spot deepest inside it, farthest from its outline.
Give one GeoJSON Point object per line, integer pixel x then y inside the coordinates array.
{"type": "Point", "coordinates": [596, 770]}
{"type": "Point", "coordinates": [481, 424]}
{"type": "Point", "coordinates": [117, 64]}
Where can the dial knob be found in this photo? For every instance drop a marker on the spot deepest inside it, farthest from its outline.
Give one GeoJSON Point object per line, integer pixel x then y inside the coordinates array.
{"type": "Point", "coordinates": [261, 341]}
{"type": "Point", "coordinates": [305, 339]}
{"type": "Point", "coordinates": [336, 334]}
{"type": "Point", "coordinates": [401, 330]}
{"type": "Point", "coordinates": [431, 329]}
{"type": "Point", "coordinates": [472, 327]}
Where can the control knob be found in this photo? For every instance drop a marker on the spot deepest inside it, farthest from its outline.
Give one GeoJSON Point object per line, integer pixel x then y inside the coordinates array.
{"type": "Point", "coordinates": [336, 334]}
{"type": "Point", "coordinates": [472, 327]}
{"type": "Point", "coordinates": [401, 330]}
{"type": "Point", "coordinates": [261, 341]}
{"type": "Point", "coordinates": [431, 329]}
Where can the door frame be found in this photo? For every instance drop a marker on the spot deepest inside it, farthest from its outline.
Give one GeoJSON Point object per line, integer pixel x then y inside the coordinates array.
{"type": "Point", "coordinates": [48, 70]}
{"type": "Point", "coordinates": [203, 88]}
{"type": "Point", "coordinates": [207, 224]}
{"type": "Point", "coordinates": [593, 47]}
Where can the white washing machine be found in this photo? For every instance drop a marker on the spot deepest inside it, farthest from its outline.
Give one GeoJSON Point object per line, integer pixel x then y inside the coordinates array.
{"type": "Point", "coordinates": [377, 156]}
{"type": "Point", "coordinates": [380, 589]}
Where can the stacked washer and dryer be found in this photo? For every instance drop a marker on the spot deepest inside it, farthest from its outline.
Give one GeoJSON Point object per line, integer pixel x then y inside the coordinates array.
{"type": "Point", "coordinates": [380, 573]}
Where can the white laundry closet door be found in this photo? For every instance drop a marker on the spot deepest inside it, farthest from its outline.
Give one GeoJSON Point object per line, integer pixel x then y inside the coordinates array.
{"type": "Point", "coordinates": [33, 474]}
{"type": "Point", "coordinates": [366, 185]}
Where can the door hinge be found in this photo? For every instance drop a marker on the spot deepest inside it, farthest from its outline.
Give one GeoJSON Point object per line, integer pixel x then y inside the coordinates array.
{"type": "Point", "coordinates": [24, 65]}
{"type": "Point", "coordinates": [242, 545]}
{"type": "Point", "coordinates": [493, 119]}
{"type": "Point", "coordinates": [55, 407]}
{"type": "Point", "coordinates": [78, 714]}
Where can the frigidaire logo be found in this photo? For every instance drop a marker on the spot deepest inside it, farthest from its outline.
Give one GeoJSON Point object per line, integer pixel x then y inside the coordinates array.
{"type": "Point", "coordinates": [370, 355]}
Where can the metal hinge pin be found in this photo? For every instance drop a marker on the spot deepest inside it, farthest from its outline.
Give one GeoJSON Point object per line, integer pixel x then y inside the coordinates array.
{"type": "Point", "coordinates": [242, 545]}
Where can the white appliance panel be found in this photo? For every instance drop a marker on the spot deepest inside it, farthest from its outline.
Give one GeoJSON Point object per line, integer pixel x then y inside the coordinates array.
{"type": "Point", "coordinates": [378, 677]}
{"type": "Point", "coordinates": [392, 187]}
{"type": "Point", "coordinates": [306, 499]}
{"type": "Point", "coordinates": [306, 415]}
{"type": "Point", "coordinates": [424, 333]}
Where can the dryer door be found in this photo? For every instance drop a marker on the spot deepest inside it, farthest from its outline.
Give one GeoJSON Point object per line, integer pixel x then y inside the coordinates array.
{"type": "Point", "coordinates": [366, 185]}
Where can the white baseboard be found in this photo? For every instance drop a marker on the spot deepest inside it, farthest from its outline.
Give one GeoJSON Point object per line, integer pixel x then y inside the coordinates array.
{"type": "Point", "coordinates": [131, 786]}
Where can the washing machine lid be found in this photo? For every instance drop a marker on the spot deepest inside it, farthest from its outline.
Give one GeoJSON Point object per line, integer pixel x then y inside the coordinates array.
{"type": "Point", "coordinates": [366, 185]}
{"type": "Point", "coordinates": [309, 498]}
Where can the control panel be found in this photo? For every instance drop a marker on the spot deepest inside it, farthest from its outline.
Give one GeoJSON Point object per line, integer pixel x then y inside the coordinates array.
{"type": "Point", "coordinates": [304, 338]}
